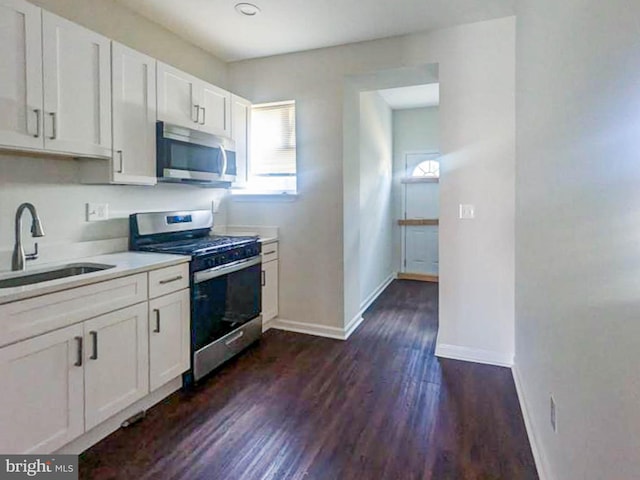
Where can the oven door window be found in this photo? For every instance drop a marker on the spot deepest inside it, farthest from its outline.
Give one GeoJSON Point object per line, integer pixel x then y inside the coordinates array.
{"type": "Point", "coordinates": [197, 158]}
{"type": "Point", "coordinates": [222, 304]}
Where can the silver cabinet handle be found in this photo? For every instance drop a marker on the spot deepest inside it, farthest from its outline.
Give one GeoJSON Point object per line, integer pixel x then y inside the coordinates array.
{"type": "Point", "coordinates": [157, 312]}
{"type": "Point", "coordinates": [94, 337]}
{"type": "Point", "coordinates": [236, 337]}
{"type": "Point", "coordinates": [169, 280]}
{"type": "Point", "coordinates": [121, 169]}
{"type": "Point", "coordinates": [269, 252]}
{"type": "Point", "coordinates": [54, 126]}
{"type": "Point", "coordinates": [204, 116]}
{"type": "Point", "coordinates": [78, 352]}
{"type": "Point", "coordinates": [37, 111]}
{"type": "Point", "coordinates": [263, 280]}
{"type": "Point", "coordinates": [197, 107]}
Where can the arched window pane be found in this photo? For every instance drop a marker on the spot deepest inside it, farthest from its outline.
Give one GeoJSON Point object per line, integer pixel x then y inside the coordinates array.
{"type": "Point", "coordinates": [428, 168]}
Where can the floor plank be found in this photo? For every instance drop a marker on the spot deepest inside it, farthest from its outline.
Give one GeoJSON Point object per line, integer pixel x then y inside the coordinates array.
{"type": "Point", "coordinates": [379, 406]}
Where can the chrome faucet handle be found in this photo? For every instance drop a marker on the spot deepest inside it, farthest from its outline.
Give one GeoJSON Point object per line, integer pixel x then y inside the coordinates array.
{"type": "Point", "coordinates": [34, 255]}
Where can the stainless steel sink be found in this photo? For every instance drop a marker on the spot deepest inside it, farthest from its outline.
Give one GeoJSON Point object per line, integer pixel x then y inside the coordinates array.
{"type": "Point", "coordinates": [63, 271]}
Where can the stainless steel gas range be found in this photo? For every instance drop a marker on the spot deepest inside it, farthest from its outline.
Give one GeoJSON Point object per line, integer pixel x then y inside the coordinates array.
{"type": "Point", "coordinates": [225, 282]}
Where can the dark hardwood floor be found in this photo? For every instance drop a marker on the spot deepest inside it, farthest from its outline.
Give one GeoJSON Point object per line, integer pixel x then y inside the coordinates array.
{"type": "Point", "coordinates": [379, 406]}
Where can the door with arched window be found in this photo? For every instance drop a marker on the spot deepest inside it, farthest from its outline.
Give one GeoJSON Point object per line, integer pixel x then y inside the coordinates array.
{"type": "Point", "coordinates": [421, 214]}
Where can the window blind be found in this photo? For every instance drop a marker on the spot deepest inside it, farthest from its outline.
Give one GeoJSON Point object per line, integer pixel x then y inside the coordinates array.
{"type": "Point", "coordinates": [273, 139]}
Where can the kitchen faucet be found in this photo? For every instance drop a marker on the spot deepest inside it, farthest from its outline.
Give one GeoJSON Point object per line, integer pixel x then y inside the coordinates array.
{"type": "Point", "coordinates": [18, 259]}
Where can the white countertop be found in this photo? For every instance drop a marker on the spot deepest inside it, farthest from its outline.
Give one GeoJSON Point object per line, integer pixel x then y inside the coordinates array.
{"type": "Point", "coordinates": [125, 263]}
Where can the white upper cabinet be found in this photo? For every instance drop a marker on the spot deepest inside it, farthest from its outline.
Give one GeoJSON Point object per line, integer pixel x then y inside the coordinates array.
{"type": "Point", "coordinates": [240, 131]}
{"type": "Point", "coordinates": [177, 97]}
{"type": "Point", "coordinates": [77, 93]}
{"type": "Point", "coordinates": [189, 102]}
{"type": "Point", "coordinates": [134, 116]}
{"type": "Point", "coordinates": [20, 75]}
{"type": "Point", "coordinates": [215, 110]}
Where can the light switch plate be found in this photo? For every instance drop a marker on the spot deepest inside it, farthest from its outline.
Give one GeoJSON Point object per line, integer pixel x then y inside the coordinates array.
{"type": "Point", "coordinates": [97, 212]}
{"type": "Point", "coordinates": [467, 211]}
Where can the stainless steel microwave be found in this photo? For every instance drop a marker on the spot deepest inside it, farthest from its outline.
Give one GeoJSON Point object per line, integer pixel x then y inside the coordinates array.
{"type": "Point", "coordinates": [192, 156]}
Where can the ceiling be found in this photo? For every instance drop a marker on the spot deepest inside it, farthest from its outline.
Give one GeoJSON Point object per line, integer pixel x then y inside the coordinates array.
{"type": "Point", "coordinates": [285, 26]}
{"type": "Point", "coordinates": [417, 96]}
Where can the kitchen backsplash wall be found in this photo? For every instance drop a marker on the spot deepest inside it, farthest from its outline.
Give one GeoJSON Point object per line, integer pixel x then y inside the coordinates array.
{"type": "Point", "coordinates": [52, 185]}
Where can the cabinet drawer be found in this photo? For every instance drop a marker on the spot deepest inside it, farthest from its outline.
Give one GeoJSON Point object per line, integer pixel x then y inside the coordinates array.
{"type": "Point", "coordinates": [28, 318]}
{"type": "Point", "coordinates": [167, 280]}
{"type": "Point", "coordinates": [269, 252]}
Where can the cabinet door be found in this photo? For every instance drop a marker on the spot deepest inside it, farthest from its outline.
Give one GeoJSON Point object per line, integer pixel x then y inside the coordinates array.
{"type": "Point", "coordinates": [116, 371]}
{"type": "Point", "coordinates": [77, 96]}
{"type": "Point", "coordinates": [269, 290]}
{"type": "Point", "coordinates": [134, 116]}
{"type": "Point", "coordinates": [177, 97]}
{"type": "Point", "coordinates": [169, 334]}
{"type": "Point", "coordinates": [240, 131]}
{"type": "Point", "coordinates": [20, 75]}
{"type": "Point", "coordinates": [215, 110]}
{"type": "Point", "coordinates": [42, 392]}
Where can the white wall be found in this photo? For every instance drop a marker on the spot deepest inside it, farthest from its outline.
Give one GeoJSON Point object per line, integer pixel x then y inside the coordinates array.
{"type": "Point", "coordinates": [52, 186]}
{"type": "Point", "coordinates": [376, 209]}
{"type": "Point", "coordinates": [117, 22]}
{"type": "Point", "coordinates": [578, 232]}
{"type": "Point", "coordinates": [476, 71]}
{"type": "Point", "coordinates": [414, 129]}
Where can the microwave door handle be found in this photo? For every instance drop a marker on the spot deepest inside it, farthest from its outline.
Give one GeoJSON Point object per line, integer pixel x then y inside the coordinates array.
{"type": "Point", "coordinates": [223, 172]}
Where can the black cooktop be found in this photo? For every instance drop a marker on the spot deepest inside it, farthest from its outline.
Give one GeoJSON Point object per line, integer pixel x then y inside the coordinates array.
{"type": "Point", "coordinates": [201, 246]}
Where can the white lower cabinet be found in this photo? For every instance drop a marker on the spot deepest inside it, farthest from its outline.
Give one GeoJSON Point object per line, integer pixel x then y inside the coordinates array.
{"type": "Point", "coordinates": [42, 392]}
{"type": "Point", "coordinates": [60, 384]}
{"type": "Point", "coordinates": [116, 362]}
{"type": "Point", "coordinates": [169, 343]}
{"type": "Point", "coordinates": [269, 290]}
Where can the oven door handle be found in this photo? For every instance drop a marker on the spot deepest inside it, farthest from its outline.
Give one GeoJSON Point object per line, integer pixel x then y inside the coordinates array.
{"type": "Point", "coordinates": [204, 275]}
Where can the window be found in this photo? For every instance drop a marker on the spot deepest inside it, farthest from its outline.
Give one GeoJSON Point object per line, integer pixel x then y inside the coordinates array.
{"type": "Point", "coordinates": [272, 159]}
{"type": "Point", "coordinates": [427, 169]}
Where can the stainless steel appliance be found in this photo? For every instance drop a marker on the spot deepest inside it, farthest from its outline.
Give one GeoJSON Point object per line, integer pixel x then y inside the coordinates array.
{"type": "Point", "coordinates": [225, 282]}
{"type": "Point", "coordinates": [192, 156]}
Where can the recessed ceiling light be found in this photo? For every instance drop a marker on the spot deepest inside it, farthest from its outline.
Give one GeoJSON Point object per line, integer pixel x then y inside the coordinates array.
{"type": "Point", "coordinates": [247, 9]}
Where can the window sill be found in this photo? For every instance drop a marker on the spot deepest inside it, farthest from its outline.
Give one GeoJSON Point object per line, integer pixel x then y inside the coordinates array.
{"type": "Point", "coordinates": [255, 195]}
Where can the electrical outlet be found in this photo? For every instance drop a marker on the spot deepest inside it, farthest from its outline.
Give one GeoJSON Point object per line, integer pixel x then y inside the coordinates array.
{"type": "Point", "coordinates": [215, 205]}
{"type": "Point", "coordinates": [553, 414]}
{"type": "Point", "coordinates": [467, 212]}
{"type": "Point", "coordinates": [97, 212]}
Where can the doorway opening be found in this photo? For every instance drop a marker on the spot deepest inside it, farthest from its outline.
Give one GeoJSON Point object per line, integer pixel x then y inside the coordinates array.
{"type": "Point", "coordinates": [384, 121]}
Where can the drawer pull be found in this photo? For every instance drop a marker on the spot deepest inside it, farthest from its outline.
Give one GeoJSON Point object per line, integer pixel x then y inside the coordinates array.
{"type": "Point", "coordinates": [157, 312]}
{"type": "Point", "coordinates": [79, 352]}
{"type": "Point", "coordinates": [169, 280]}
{"type": "Point", "coordinates": [269, 252]}
{"type": "Point", "coordinates": [235, 338]}
{"type": "Point", "coordinates": [94, 337]}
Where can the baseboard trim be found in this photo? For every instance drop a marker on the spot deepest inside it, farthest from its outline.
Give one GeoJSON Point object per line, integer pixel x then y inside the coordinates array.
{"type": "Point", "coordinates": [326, 331]}
{"type": "Point", "coordinates": [357, 320]}
{"type": "Point", "coordinates": [307, 328]}
{"type": "Point", "coordinates": [541, 464]}
{"type": "Point", "coordinates": [268, 324]}
{"type": "Point", "coordinates": [353, 325]}
{"type": "Point", "coordinates": [475, 355]}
